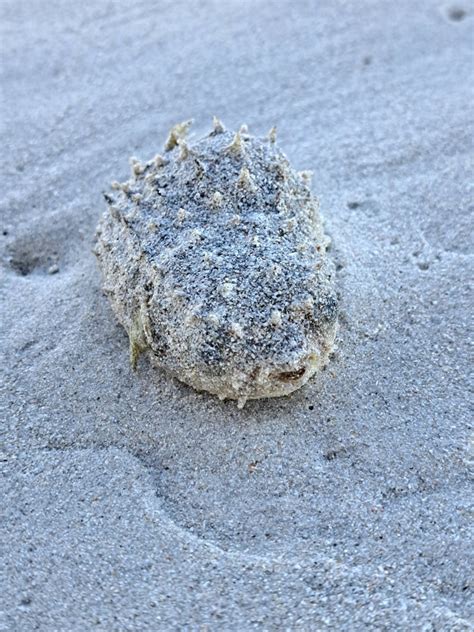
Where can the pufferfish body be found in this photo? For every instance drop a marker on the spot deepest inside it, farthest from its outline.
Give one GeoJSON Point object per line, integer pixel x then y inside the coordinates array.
{"type": "Point", "coordinates": [214, 260]}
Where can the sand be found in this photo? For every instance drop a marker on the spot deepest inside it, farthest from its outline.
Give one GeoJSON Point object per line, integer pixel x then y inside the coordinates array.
{"type": "Point", "coordinates": [135, 503]}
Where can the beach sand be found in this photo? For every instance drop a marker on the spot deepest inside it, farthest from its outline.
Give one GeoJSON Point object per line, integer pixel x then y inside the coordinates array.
{"type": "Point", "coordinates": [134, 502]}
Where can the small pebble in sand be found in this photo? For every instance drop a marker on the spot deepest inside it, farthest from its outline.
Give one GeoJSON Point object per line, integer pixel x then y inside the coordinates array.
{"type": "Point", "coordinates": [53, 269]}
{"type": "Point", "coordinates": [206, 252]}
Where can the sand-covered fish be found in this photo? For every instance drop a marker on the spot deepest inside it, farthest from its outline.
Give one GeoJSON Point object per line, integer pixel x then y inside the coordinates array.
{"type": "Point", "coordinates": [214, 259]}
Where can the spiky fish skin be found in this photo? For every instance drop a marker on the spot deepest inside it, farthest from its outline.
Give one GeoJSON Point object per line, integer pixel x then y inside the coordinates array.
{"type": "Point", "coordinates": [214, 260]}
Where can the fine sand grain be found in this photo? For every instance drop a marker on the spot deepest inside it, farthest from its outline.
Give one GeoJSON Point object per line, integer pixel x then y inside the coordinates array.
{"type": "Point", "coordinates": [133, 502]}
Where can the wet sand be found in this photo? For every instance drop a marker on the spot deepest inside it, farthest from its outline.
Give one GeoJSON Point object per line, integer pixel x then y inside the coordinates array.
{"type": "Point", "coordinates": [136, 503]}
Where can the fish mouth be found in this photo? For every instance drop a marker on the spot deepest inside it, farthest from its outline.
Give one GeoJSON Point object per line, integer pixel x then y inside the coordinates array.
{"type": "Point", "coordinates": [289, 376]}
{"type": "Point", "coordinates": [307, 366]}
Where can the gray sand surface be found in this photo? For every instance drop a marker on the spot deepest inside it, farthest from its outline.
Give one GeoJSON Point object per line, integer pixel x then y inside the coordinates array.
{"type": "Point", "coordinates": [135, 503]}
